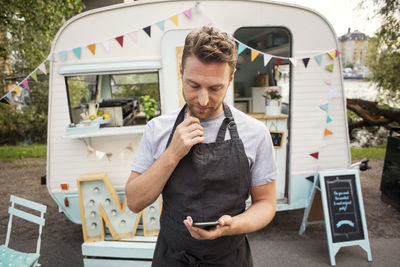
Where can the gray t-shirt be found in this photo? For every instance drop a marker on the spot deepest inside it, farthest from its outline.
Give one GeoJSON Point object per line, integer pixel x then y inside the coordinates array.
{"type": "Point", "coordinates": [254, 134]}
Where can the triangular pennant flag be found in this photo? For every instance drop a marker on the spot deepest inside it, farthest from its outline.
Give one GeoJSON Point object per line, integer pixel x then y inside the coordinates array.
{"type": "Point", "coordinates": [267, 58]}
{"type": "Point", "coordinates": [26, 84]}
{"type": "Point", "coordinates": [63, 55]}
{"type": "Point", "coordinates": [160, 25]}
{"type": "Point", "coordinates": [120, 40]}
{"type": "Point", "coordinates": [18, 90]}
{"type": "Point", "coordinates": [327, 132]}
{"type": "Point", "coordinates": [279, 61]}
{"type": "Point", "coordinates": [329, 67]}
{"type": "Point", "coordinates": [42, 68]}
{"type": "Point", "coordinates": [318, 59]}
{"type": "Point", "coordinates": [314, 155]}
{"type": "Point", "coordinates": [148, 30]}
{"type": "Point", "coordinates": [254, 54]}
{"type": "Point", "coordinates": [324, 107]}
{"type": "Point", "coordinates": [100, 154]}
{"type": "Point", "coordinates": [241, 48]}
{"type": "Point", "coordinates": [10, 98]}
{"type": "Point", "coordinates": [294, 61]}
{"type": "Point", "coordinates": [34, 76]}
{"type": "Point", "coordinates": [129, 147]}
{"type": "Point", "coordinates": [106, 45]}
{"type": "Point", "coordinates": [135, 36]}
{"type": "Point", "coordinates": [4, 100]}
{"type": "Point", "coordinates": [188, 13]}
{"type": "Point", "coordinates": [50, 57]}
{"type": "Point", "coordinates": [333, 94]}
{"type": "Point", "coordinates": [328, 81]}
{"type": "Point", "coordinates": [305, 61]}
{"type": "Point", "coordinates": [328, 119]}
{"type": "Point", "coordinates": [174, 19]}
{"type": "Point", "coordinates": [332, 54]}
{"type": "Point", "coordinates": [92, 48]}
{"type": "Point", "coordinates": [337, 53]}
{"type": "Point", "coordinates": [77, 52]}
{"type": "Point", "coordinates": [109, 155]}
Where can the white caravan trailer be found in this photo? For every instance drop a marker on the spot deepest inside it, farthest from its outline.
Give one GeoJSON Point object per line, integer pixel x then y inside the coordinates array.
{"type": "Point", "coordinates": [105, 59]}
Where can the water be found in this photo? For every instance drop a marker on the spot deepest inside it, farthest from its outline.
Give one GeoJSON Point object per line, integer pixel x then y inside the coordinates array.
{"type": "Point", "coordinates": [373, 136]}
{"type": "Point", "coordinates": [360, 89]}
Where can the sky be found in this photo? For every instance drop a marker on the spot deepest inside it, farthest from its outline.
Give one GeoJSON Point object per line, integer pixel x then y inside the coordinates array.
{"type": "Point", "coordinates": [342, 14]}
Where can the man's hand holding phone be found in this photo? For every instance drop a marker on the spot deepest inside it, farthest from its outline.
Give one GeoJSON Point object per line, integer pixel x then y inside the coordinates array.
{"type": "Point", "coordinates": [208, 230]}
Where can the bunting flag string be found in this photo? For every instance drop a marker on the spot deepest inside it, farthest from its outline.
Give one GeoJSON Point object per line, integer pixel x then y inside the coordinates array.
{"type": "Point", "coordinates": [106, 154]}
{"type": "Point", "coordinates": [77, 51]}
{"type": "Point", "coordinates": [62, 55]}
{"type": "Point", "coordinates": [8, 97]}
{"type": "Point", "coordinates": [267, 57]}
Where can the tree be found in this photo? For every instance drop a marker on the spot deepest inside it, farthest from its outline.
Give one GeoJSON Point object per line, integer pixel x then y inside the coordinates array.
{"type": "Point", "coordinates": [27, 28]}
{"type": "Point", "coordinates": [384, 56]}
{"type": "Point", "coordinates": [383, 61]}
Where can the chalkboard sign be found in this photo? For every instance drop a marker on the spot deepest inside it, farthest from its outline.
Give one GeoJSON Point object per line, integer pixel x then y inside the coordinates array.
{"type": "Point", "coordinates": [344, 208]}
{"type": "Point", "coordinates": [277, 138]}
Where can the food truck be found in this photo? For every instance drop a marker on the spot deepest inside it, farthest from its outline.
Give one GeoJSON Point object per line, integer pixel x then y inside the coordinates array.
{"type": "Point", "coordinates": [104, 62]}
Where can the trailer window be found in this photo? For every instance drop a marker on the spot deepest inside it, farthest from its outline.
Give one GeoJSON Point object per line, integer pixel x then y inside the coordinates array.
{"type": "Point", "coordinates": [253, 77]}
{"type": "Point", "coordinates": [118, 95]}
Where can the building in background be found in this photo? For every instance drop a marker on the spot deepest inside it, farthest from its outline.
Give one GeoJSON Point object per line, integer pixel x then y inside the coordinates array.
{"type": "Point", "coordinates": [353, 48]}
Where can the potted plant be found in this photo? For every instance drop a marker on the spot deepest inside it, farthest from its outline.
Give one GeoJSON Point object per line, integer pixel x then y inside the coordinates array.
{"type": "Point", "coordinates": [272, 101]}
{"type": "Point", "coordinates": [149, 106]}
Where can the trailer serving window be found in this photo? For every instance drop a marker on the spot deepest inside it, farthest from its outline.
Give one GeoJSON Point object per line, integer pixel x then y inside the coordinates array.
{"type": "Point", "coordinates": [118, 95]}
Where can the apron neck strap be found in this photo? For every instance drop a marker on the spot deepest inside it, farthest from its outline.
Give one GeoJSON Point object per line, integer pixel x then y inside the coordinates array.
{"type": "Point", "coordinates": [179, 119]}
{"type": "Point", "coordinates": [228, 122]}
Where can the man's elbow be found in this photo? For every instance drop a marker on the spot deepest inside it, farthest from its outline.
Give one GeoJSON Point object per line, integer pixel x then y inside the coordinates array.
{"type": "Point", "coordinates": [132, 202]}
{"type": "Point", "coordinates": [133, 205]}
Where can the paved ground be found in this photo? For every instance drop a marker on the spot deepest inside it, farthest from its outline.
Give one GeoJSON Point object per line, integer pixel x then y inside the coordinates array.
{"type": "Point", "coordinates": [276, 245]}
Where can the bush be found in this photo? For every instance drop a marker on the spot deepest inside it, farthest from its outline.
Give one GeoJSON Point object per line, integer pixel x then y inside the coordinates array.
{"type": "Point", "coordinates": [28, 125]}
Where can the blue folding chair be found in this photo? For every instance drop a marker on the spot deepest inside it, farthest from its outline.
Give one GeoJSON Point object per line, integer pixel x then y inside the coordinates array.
{"type": "Point", "coordinates": [11, 257]}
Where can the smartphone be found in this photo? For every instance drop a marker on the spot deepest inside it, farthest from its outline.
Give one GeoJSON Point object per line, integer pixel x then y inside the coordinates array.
{"type": "Point", "coordinates": [205, 225]}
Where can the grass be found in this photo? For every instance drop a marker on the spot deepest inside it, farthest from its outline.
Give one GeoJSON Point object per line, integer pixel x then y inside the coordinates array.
{"type": "Point", "coordinates": [12, 153]}
{"type": "Point", "coordinates": [368, 152]}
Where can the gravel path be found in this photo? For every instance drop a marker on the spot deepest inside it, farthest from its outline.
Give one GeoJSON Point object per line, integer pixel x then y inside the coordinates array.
{"type": "Point", "coordinates": [62, 239]}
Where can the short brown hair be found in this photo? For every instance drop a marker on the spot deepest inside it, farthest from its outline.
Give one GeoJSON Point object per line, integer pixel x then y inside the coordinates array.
{"type": "Point", "coordinates": [209, 46]}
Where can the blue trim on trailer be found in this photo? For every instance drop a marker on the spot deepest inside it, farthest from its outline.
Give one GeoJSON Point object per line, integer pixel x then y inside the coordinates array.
{"type": "Point", "coordinates": [109, 67]}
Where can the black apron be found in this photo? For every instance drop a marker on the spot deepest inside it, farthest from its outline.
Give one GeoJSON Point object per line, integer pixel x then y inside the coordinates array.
{"type": "Point", "coordinates": [210, 181]}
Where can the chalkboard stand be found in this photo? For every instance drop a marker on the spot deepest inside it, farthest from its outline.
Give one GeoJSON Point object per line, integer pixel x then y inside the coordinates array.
{"type": "Point", "coordinates": [313, 213]}
{"type": "Point", "coordinates": [343, 211]}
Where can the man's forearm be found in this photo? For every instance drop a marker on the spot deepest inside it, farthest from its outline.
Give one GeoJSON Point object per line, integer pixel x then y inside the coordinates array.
{"type": "Point", "coordinates": [257, 216]}
{"type": "Point", "coordinates": [144, 189]}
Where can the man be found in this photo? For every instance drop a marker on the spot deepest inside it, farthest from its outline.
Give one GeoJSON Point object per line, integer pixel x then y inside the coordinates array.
{"type": "Point", "coordinates": [205, 161]}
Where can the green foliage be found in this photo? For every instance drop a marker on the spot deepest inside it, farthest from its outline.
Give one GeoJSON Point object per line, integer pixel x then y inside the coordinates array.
{"type": "Point", "coordinates": [31, 26]}
{"type": "Point", "coordinates": [138, 90]}
{"type": "Point", "coordinates": [11, 153]}
{"type": "Point", "coordinates": [148, 105]}
{"type": "Point", "coordinates": [27, 28]}
{"type": "Point", "coordinates": [368, 152]}
{"type": "Point", "coordinates": [28, 125]}
{"type": "Point", "coordinates": [384, 52]}
{"type": "Point", "coordinates": [349, 65]}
